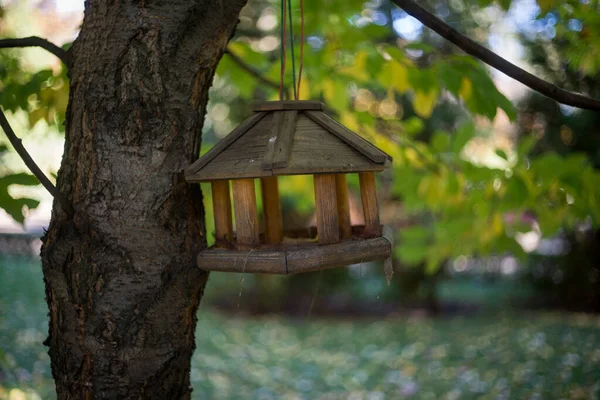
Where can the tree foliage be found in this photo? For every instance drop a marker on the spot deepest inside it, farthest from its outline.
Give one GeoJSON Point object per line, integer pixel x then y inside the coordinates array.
{"type": "Point", "coordinates": [424, 102]}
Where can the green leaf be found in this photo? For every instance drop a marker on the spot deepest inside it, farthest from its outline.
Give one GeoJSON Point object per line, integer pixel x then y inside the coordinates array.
{"type": "Point", "coordinates": [525, 146]}
{"type": "Point", "coordinates": [502, 154]}
{"type": "Point", "coordinates": [18, 179]}
{"type": "Point", "coordinates": [14, 206]}
{"type": "Point", "coordinates": [414, 235]}
{"type": "Point", "coordinates": [462, 136]}
{"type": "Point", "coordinates": [395, 53]}
{"type": "Point", "coordinates": [506, 105]}
{"type": "Point", "coordinates": [434, 262]}
{"type": "Point", "coordinates": [517, 193]}
{"type": "Point", "coordinates": [427, 48]}
{"type": "Point", "coordinates": [413, 126]}
{"type": "Point", "coordinates": [440, 142]}
{"type": "Point", "coordinates": [335, 95]}
{"type": "Point", "coordinates": [424, 102]}
{"type": "Point", "coordinates": [411, 254]}
{"type": "Point", "coordinates": [505, 4]}
{"type": "Point", "coordinates": [423, 79]}
{"type": "Point", "coordinates": [451, 77]}
{"type": "Point", "coordinates": [484, 98]}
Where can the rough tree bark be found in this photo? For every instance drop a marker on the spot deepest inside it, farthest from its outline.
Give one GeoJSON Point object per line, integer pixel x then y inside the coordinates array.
{"type": "Point", "coordinates": [121, 282]}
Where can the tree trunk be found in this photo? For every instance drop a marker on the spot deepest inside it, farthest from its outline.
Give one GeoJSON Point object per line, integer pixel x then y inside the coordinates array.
{"type": "Point", "coordinates": [121, 281]}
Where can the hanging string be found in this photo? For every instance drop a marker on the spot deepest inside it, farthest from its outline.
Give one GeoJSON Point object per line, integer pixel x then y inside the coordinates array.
{"type": "Point", "coordinates": [292, 49]}
{"type": "Point", "coordinates": [301, 45]}
{"type": "Point", "coordinates": [282, 48]}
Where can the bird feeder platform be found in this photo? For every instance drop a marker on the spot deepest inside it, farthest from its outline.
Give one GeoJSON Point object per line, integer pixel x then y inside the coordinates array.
{"type": "Point", "coordinates": [297, 253]}
{"type": "Point", "coordinates": [290, 138]}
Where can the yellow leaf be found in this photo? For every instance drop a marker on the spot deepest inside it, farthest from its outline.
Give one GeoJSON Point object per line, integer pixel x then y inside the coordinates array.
{"type": "Point", "coordinates": [431, 189]}
{"type": "Point", "coordinates": [466, 88]}
{"type": "Point", "coordinates": [349, 120]}
{"type": "Point", "coordinates": [358, 70]}
{"type": "Point", "coordinates": [304, 89]}
{"type": "Point", "coordinates": [37, 115]}
{"type": "Point", "coordinates": [238, 48]}
{"type": "Point", "coordinates": [395, 75]}
{"type": "Point", "coordinates": [413, 158]}
{"type": "Point", "coordinates": [424, 102]}
{"type": "Point", "coordinates": [497, 226]}
{"type": "Point", "coordinates": [335, 95]}
{"type": "Point", "coordinates": [328, 87]}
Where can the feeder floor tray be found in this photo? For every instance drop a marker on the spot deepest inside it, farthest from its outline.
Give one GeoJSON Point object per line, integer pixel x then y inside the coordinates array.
{"type": "Point", "coordinates": [297, 255]}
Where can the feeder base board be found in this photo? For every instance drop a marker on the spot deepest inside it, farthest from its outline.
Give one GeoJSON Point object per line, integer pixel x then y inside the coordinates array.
{"type": "Point", "coordinates": [293, 259]}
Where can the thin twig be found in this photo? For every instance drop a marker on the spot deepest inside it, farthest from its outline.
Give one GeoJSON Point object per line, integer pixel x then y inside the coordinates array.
{"type": "Point", "coordinates": [494, 60]}
{"type": "Point", "coordinates": [33, 167]}
{"type": "Point", "coordinates": [35, 41]}
{"type": "Point", "coordinates": [240, 63]}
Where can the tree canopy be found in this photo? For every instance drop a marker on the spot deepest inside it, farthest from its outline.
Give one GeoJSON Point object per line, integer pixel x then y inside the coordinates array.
{"type": "Point", "coordinates": [436, 110]}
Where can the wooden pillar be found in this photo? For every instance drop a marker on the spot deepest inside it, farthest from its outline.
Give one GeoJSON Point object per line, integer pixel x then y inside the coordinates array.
{"type": "Point", "coordinates": [368, 193]}
{"type": "Point", "coordinates": [246, 214]}
{"type": "Point", "coordinates": [272, 210]}
{"type": "Point", "coordinates": [343, 205]}
{"type": "Point", "coordinates": [326, 207]}
{"type": "Point", "coordinates": [222, 211]}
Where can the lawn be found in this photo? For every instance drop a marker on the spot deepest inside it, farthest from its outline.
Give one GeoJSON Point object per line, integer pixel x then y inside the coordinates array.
{"type": "Point", "coordinates": [536, 356]}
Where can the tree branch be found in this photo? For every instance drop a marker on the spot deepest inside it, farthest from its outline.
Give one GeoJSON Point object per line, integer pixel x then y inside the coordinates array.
{"type": "Point", "coordinates": [240, 63]}
{"type": "Point", "coordinates": [34, 41]}
{"type": "Point", "coordinates": [37, 172]}
{"type": "Point", "coordinates": [494, 60]}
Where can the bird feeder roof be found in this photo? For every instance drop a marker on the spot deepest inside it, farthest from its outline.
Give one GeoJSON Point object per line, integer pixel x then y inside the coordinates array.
{"type": "Point", "coordinates": [287, 138]}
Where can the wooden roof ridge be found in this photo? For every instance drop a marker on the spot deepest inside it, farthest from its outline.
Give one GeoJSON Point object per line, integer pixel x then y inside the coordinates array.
{"type": "Point", "coordinates": [280, 142]}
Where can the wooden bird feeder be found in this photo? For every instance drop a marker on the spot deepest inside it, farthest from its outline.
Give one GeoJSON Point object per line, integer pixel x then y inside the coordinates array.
{"type": "Point", "coordinates": [290, 138]}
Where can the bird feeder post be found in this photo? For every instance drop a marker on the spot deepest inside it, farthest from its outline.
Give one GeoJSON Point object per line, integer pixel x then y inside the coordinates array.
{"type": "Point", "coordinates": [246, 214]}
{"type": "Point", "coordinates": [368, 194]}
{"type": "Point", "coordinates": [343, 206]}
{"type": "Point", "coordinates": [326, 208]}
{"type": "Point", "coordinates": [222, 211]}
{"type": "Point", "coordinates": [272, 210]}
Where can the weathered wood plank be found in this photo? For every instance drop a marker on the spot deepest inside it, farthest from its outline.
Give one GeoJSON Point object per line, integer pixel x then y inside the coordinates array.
{"type": "Point", "coordinates": [343, 206]}
{"type": "Point", "coordinates": [289, 105]}
{"type": "Point", "coordinates": [222, 213]}
{"type": "Point", "coordinates": [285, 139]}
{"type": "Point", "coordinates": [368, 193]}
{"type": "Point", "coordinates": [280, 141]}
{"type": "Point", "coordinates": [249, 261]}
{"type": "Point", "coordinates": [272, 210]}
{"type": "Point", "coordinates": [341, 254]}
{"type": "Point", "coordinates": [351, 138]}
{"type": "Point", "coordinates": [242, 159]}
{"type": "Point", "coordinates": [224, 143]}
{"type": "Point", "coordinates": [246, 214]}
{"type": "Point", "coordinates": [326, 209]}
{"type": "Point", "coordinates": [267, 160]}
{"type": "Point", "coordinates": [315, 150]}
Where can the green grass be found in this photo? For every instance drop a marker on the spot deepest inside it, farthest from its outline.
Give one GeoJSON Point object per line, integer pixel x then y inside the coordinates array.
{"type": "Point", "coordinates": [530, 356]}
{"type": "Point", "coordinates": [548, 355]}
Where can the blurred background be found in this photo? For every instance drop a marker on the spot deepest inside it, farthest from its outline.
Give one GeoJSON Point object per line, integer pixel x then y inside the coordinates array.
{"type": "Point", "coordinates": [493, 199]}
